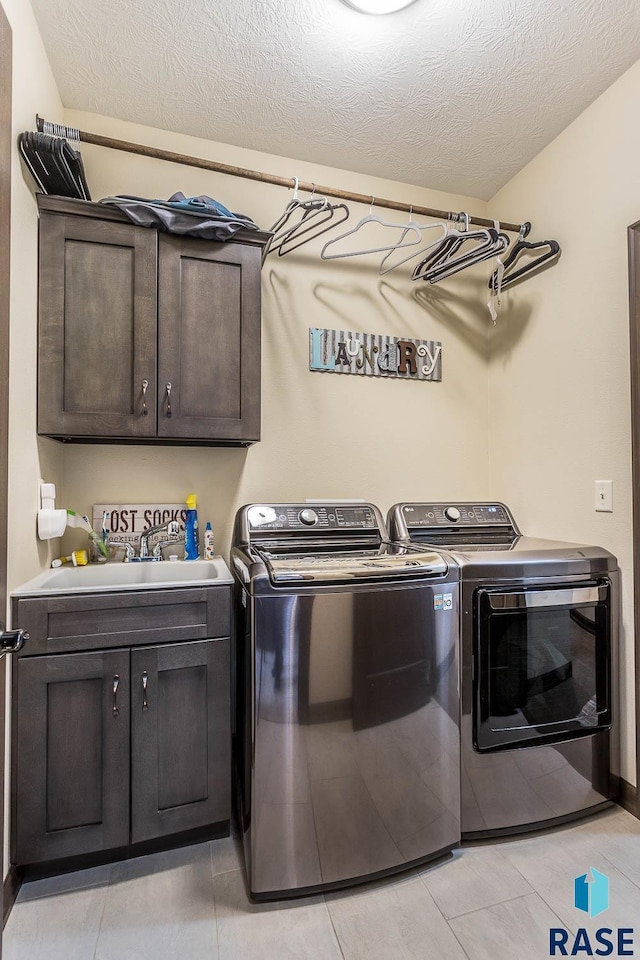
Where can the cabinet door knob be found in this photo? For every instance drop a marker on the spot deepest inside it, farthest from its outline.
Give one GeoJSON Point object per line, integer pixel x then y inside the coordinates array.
{"type": "Point", "coordinates": [116, 684]}
{"type": "Point", "coordinates": [169, 400]}
{"type": "Point", "coordinates": [12, 640]}
{"type": "Point", "coordinates": [145, 685]}
{"type": "Point", "coordinates": [145, 387]}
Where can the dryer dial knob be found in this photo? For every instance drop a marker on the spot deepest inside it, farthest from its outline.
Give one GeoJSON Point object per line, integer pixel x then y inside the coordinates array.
{"type": "Point", "coordinates": [452, 513]}
{"type": "Point", "coordinates": [309, 517]}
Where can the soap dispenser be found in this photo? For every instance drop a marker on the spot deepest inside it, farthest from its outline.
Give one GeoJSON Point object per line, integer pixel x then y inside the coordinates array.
{"type": "Point", "coordinates": [209, 550]}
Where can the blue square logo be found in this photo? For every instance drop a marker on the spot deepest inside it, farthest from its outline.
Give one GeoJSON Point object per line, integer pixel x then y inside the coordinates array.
{"type": "Point", "coordinates": [591, 896]}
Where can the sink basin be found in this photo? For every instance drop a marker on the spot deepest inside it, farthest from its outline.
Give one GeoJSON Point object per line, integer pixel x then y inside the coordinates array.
{"type": "Point", "coordinates": [127, 576]}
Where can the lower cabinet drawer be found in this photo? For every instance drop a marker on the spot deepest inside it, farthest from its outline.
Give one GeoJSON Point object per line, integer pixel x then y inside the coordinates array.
{"type": "Point", "coordinates": [132, 618]}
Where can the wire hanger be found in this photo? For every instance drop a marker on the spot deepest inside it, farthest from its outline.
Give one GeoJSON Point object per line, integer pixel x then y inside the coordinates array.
{"type": "Point", "coordinates": [443, 262]}
{"type": "Point", "coordinates": [521, 246]}
{"type": "Point", "coordinates": [386, 267]}
{"type": "Point", "coordinates": [72, 134]}
{"type": "Point", "coordinates": [282, 219]}
{"type": "Point", "coordinates": [406, 228]}
{"type": "Point", "coordinates": [284, 228]}
{"type": "Point", "coordinates": [319, 216]}
{"type": "Point", "coordinates": [52, 156]}
{"type": "Point", "coordinates": [449, 243]}
{"type": "Point", "coordinates": [56, 168]}
{"type": "Point", "coordinates": [494, 302]}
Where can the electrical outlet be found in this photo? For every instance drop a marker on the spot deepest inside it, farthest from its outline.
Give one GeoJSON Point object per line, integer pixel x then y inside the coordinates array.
{"type": "Point", "coordinates": [604, 496]}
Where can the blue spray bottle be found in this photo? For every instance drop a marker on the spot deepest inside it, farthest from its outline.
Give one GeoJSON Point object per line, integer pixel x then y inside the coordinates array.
{"type": "Point", "coordinates": [191, 544]}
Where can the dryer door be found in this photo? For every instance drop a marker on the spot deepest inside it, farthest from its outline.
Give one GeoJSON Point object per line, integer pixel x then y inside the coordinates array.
{"type": "Point", "coordinates": [542, 664]}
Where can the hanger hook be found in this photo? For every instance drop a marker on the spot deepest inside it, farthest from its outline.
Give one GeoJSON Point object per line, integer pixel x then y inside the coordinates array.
{"type": "Point", "coordinates": [313, 190]}
{"type": "Point", "coordinates": [373, 200]}
{"type": "Point", "coordinates": [296, 182]}
{"type": "Point", "coordinates": [525, 229]}
{"type": "Point", "coordinates": [410, 213]}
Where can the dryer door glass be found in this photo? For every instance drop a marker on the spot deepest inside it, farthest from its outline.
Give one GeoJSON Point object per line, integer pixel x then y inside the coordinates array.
{"type": "Point", "coordinates": [542, 664]}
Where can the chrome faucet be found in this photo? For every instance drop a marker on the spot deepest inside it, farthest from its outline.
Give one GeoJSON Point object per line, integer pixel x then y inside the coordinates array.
{"type": "Point", "coordinates": [129, 552]}
{"type": "Point", "coordinates": [172, 527]}
{"type": "Point", "coordinates": [178, 538]}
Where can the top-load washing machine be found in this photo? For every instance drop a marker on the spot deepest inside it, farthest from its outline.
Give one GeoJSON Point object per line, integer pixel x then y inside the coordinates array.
{"type": "Point", "coordinates": [346, 744]}
{"type": "Point", "coordinates": [538, 629]}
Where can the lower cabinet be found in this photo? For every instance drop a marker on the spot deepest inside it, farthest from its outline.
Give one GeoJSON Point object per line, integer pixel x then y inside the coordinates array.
{"type": "Point", "coordinates": [120, 746]}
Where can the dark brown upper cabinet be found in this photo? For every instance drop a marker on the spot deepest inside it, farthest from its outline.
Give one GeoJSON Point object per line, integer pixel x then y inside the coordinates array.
{"type": "Point", "coordinates": [97, 328]}
{"type": "Point", "coordinates": [145, 337]}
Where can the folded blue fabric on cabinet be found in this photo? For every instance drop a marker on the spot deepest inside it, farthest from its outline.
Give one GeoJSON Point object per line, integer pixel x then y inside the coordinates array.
{"type": "Point", "coordinates": [200, 216]}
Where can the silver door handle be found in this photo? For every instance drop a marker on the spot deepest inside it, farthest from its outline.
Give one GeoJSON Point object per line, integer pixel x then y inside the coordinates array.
{"type": "Point", "coordinates": [168, 388]}
{"type": "Point", "coordinates": [116, 684]}
{"type": "Point", "coordinates": [546, 598]}
{"type": "Point", "coordinates": [12, 640]}
{"type": "Point", "coordinates": [145, 685]}
{"type": "Point", "coordinates": [145, 387]}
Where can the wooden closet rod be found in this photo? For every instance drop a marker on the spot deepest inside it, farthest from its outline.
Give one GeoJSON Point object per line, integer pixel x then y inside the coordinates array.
{"type": "Point", "coordinates": [157, 153]}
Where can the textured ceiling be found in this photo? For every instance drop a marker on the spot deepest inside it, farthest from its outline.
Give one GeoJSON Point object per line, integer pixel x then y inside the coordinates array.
{"type": "Point", "coordinates": [456, 95]}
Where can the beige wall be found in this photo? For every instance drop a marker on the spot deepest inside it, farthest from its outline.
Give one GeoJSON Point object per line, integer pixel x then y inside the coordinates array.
{"type": "Point", "coordinates": [552, 416]}
{"type": "Point", "coordinates": [559, 373]}
{"type": "Point", "coordinates": [34, 91]}
{"type": "Point", "coordinates": [322, 435]}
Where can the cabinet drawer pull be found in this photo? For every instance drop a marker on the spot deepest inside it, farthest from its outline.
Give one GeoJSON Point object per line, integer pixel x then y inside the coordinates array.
{"type": "Point", "coordinates": [116, 684]}
{"type": "Point", "coordinates": [169, 400]}
{"type": "Point", "coordinates": [145, 684]}
{"type": "Point", "coordinates": [145, 387]}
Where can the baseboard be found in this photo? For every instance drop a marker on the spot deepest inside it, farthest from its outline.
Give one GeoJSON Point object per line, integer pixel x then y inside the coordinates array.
{"type": "Point", "coordinates": [10, 889]}
{"type": "Point", "coordinates": [628, 797]}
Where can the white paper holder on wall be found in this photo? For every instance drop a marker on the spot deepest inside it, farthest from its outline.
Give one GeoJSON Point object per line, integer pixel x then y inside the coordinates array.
{"type": "Point", "coordinates": [51, 522]}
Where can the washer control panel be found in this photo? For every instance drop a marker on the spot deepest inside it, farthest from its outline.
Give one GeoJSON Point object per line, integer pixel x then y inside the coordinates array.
{"type": "Point", "coordinates": [301, 516]}
{"type": "Point", "coordinates": [459, 514]}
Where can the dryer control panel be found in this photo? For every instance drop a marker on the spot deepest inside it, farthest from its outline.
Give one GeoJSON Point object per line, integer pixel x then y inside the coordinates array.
{"type": "Point", "coordinates": [458, 514]}
{"type": "Point", "coordinates": [449, 525]}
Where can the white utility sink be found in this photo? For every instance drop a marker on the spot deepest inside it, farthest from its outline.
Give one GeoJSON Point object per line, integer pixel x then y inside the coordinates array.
{"type": "Point", "coordinates": [115, 575]}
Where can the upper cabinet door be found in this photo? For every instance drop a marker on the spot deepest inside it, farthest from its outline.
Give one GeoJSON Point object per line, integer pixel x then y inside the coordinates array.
{"type": "Point", "coordinates": [208, 340]}
{"type": "Point", "coordinates": [97, 328]}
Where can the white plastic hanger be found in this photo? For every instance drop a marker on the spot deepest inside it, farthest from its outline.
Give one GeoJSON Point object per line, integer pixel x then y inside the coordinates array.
{"type": "Point", "coordinates": [386, 267]}
{"type": "Point", "coordinates": [406, 228]}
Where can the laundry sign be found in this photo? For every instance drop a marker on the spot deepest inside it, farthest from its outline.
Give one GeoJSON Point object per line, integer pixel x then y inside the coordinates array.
{"type": "Point", "coordinates": [370, 355]}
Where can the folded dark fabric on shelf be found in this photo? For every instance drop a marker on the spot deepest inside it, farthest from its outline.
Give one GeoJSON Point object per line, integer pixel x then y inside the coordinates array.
{"type": "Point", "coordinates": [201, 216]}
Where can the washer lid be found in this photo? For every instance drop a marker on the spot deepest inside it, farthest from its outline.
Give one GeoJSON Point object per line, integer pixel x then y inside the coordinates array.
{"type": "Point", "coordinates": [390, 562]}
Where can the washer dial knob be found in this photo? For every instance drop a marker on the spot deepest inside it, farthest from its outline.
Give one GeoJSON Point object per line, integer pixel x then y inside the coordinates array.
{"type": "Point", "coordinates": [452, 513]}
{"type": "Point", "coordinates": [308, 517]}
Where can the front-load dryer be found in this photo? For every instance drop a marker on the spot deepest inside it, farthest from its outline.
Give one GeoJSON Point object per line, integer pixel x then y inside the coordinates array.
{"type": "Point", "coordinates": [538, 633]}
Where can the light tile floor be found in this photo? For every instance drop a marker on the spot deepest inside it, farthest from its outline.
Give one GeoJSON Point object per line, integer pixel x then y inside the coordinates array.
{"type": "Point", "coordinates": [493, 901]}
